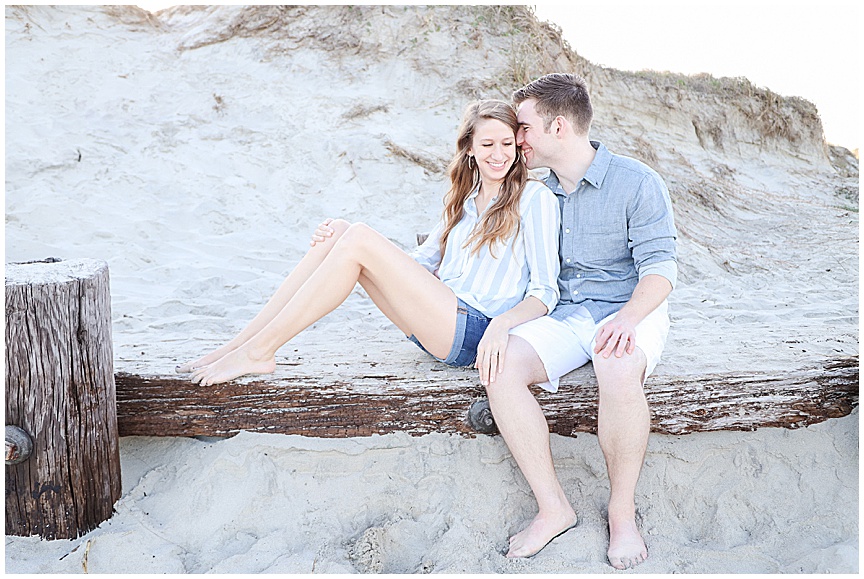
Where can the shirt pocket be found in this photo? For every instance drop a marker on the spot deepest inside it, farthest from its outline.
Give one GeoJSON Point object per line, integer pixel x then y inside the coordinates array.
{"type": "Point", "coordinates": [454, 266]}
{"type": "Point", "coordinates": [600, 243]}
{"type": "Point", "coordinates": [601, 230]}
{"type": "Point", "coordinates": [597, 250]}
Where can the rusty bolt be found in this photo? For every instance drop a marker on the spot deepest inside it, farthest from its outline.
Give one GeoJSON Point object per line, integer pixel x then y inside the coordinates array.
{"type": "Point", "coordinates": [19, 445]}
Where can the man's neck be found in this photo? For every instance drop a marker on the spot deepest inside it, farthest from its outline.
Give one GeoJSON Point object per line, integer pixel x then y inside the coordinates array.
{"type": "Point", "coordinates": [574, 164]}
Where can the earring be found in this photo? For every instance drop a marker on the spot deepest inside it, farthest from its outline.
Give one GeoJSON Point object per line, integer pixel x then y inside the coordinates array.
{"type": "Point", "coordinates": [470, 161]}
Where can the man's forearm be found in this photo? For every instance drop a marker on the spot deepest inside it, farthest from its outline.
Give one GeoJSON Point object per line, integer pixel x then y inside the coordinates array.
{"type": "Point", "coordinates": [649, 293]}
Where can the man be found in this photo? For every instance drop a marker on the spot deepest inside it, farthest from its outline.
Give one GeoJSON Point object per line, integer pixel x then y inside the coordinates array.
{"type": "Point", "coordinates": [618, 266]}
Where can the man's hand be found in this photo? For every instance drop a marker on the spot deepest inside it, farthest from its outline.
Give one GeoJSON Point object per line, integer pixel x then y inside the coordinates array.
{"type": "Point", "coordinates": [322, 232]}
{"type": "Point", "coordinates": [619, 334]}
{"type": "Point", "coordinates": [490, 351]}
{"type": "Point", "coordinates": [616, 337]}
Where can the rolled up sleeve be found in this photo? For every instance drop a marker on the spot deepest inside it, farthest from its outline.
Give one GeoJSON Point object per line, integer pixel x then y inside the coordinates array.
{"type": "Point", "coordinates": [541, 224]}
{"type": "Point", "coordinates": [667, 269]}
{"type": "Point", "coordinates": [652, 234]}
{"type": "Point", "coordinates": [428, 254]}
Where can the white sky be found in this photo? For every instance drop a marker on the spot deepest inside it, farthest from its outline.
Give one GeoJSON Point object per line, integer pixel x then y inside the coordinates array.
{"type": "Point", "coordinates": [811, 50]}
{"type": "Point", "coordinates": [808, 50]}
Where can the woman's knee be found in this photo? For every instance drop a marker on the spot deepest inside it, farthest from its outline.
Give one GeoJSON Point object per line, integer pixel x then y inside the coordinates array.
{"type": "Point", "coordinates": [358, 229]}
{"type": "Point", "coordinates": [356, 235]}
{"type": "Point", "coordinates": [339, 226]}
{"type": "Point", "coordinates": [326, 245]}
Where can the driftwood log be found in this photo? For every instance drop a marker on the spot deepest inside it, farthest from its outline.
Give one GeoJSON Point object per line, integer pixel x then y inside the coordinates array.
{"type": "Point", "coordinates": [60, 393]}
{"type": "Point", "coordinates": [423, 402]}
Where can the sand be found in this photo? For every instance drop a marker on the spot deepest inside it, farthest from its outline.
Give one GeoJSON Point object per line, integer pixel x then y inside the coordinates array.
{"type": "Point", "coordinates": [195, 152]}
{"type": "Point", "coordinates": [771, 501]}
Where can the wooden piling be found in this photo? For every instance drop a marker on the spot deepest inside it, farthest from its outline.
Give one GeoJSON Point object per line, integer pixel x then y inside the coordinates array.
{"type": "Point", "coordinates": [60, 391]}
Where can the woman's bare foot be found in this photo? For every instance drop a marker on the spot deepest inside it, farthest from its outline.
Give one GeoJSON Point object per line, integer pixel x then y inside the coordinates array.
{"type": "Point", "coordinates": [237, 363]}
{"type": "Point", "coordinates": [205, 360]}
{"type": "Point", "coordinates": [626, 547]}
{"type": "Point", "coordinates": [540, 532]}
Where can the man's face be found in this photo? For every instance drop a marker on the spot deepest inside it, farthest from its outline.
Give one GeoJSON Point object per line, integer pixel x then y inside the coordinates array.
{"type": "Point", "coordinates": [537, 145]}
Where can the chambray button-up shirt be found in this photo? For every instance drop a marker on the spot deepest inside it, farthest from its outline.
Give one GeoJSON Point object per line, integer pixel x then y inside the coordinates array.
{"type": "Point", "coordinates": [616, 228]}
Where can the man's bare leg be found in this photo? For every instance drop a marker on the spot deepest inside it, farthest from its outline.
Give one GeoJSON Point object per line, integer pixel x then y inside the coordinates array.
{"type": "Point", "coordinates": [523, 426]}
{"type": "Point", "coordinates": [622, 427]}
{"type": "Point", "coordinates": [298, 276]}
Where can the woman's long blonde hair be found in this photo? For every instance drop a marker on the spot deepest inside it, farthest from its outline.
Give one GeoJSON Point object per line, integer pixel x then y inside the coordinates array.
{"type": "Point", "coordinates": [502, 218]}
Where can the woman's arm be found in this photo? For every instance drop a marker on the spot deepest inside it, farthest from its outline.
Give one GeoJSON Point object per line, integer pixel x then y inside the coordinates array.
{"type": "Point", "coordinates": [540, 230]}
{"type": "Point", "coordinates": [428, 254]}
{"type": "Point", "coordinates": [493, 344]}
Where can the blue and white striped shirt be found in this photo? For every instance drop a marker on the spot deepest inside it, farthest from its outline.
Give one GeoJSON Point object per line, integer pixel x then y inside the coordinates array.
{"type": "Point", "coordinates": [527, 265]}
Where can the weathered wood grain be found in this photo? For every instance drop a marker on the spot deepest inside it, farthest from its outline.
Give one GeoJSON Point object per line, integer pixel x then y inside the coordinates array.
{"type": "Point", "coordinates": [370, 403]}
{"type": "Point", "coordinates": [60, 390]}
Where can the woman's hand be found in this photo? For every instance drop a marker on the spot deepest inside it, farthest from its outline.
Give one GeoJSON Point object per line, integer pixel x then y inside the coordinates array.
{"type": "Point", "coordinates": [491, 350]}
{"type": "Point", "coordinates": [322, 232]}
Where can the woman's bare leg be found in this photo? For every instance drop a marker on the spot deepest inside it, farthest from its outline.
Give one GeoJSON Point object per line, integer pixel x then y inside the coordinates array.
{"type": "Point", "coordinates": [421, 303]}
{"type": "Point", "coordinates": [286, 291]}
{"type": "Point", "coordinates": [381, 303]}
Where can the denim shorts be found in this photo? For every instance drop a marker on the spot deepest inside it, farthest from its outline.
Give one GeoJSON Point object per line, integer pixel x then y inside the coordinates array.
{"type": "Point", "coordinates": [470, 327]}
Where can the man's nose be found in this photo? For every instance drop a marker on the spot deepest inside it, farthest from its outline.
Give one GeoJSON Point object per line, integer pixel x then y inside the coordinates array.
{"type": "Point", "coordinates": [520, 137]}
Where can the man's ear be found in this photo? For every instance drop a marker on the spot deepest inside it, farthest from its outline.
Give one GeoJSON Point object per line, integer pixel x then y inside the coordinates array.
{"type": "Point", "coordinates": [560, 125]}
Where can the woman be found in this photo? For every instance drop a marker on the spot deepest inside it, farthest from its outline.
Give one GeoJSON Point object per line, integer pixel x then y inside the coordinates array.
{"type": "Point", "coordinates": [489, 265]}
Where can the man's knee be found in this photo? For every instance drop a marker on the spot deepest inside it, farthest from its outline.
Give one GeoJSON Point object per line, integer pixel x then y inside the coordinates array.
{"type": "Point", "coordinates": [522, 367]}
{"type": "Point", "coordinates": [621, 375]}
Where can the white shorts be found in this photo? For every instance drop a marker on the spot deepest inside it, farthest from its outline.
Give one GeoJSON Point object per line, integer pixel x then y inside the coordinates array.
{"type": "Point", "coordinates": [564, 345]}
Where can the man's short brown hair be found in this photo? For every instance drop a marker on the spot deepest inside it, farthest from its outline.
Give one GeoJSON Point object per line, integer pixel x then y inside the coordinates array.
{"type": "Point", "coordinates": [559, 94]}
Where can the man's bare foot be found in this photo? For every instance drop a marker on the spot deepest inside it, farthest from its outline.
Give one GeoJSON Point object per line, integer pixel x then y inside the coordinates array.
{"type": "Point", "coordinates": [205, 360]}
{"type": "Point", "coordinates": [237, 363]}
{"type": "Point", "coordinates": [540, 532]}
{"type": "Point", "coordinates": [626, 547]}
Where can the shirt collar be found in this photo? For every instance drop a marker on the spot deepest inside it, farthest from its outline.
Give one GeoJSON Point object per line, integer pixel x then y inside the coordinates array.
{"type": "Point", "coordinates": [596, 172]}
{"type": "Point", "coordinates": [470, 204]}
{"type": "Point", "coordinates": [474, 193]}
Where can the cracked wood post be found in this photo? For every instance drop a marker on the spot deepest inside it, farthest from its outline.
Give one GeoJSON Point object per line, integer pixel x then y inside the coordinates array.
{"type": "Point", "coordinates": [60, 390]}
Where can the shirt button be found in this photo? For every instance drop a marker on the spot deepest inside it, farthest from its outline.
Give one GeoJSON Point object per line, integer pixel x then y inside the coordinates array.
{"type": "Point", "coordinates": [579, 275]}
{"type": "Point", "coordinates": [566, 231]}
{"type": "Point", "coordinates": [575, 293]}
{"type": "Point", "coordinates": [567, 260]}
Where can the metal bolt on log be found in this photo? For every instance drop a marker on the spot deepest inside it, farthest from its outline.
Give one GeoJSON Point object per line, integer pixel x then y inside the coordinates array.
{"type": "Point", "coordinates": [19, 445]}
{"type": "Point", "coordinates": [480, 417]}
